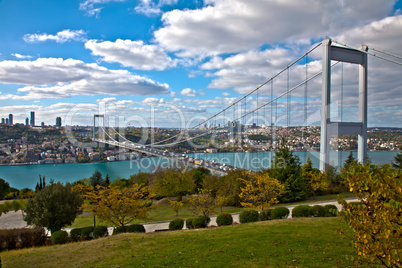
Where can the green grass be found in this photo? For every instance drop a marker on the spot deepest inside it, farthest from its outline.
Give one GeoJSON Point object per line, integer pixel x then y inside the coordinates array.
{"type": "Point", "coordinates": [303, 242]}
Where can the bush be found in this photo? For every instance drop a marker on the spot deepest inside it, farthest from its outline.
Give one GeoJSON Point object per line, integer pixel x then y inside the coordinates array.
{"type": "Point", "coordinates": [59, 237]}
{"type": "Point", "coordinates": [199, 222]}
{"type": "Point", "coordinates": [23, 238]}
{"type": "Point", "coordinates": [250, 215]}
{"type": "Point", "coordinates": [301, 211]}
{"type": "Point", "coordinates": [117, 230]}
{"type": "Point", "coordinates": [176, 224]}
{"type": "Point", "coordinates": [135, 228]}
{"type": "Point", "coordinates": [331, 211]}
{"type": "Point", "coordinates": [87, 233]}
{"type": "Point", "coordinates": [224, 219]}
{"type": "Point", "coordinates": [317, 211]}
{"type": "Point", "coordinates": [189, 223]}
{"type": "Point", "coordinates": [75, 234]}
{"type": "Point", "coordinates": [100, 231]}
{"type": "Point", "coordinates": [265, 215]}
{"type": "Point", "coordinates": [279, 213]}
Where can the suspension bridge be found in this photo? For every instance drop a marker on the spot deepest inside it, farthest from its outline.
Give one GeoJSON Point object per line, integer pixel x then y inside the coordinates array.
{"type": "Point", "coordinates": [291, 97]}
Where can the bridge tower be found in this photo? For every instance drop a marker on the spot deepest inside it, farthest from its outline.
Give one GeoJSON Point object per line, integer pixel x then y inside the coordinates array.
{"type": "Point", "coordinates": [103, 123]}
{"type": "Point", "coordinates": [329, 128]}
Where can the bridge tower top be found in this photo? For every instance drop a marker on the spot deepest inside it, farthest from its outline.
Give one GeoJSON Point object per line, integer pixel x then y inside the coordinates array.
{"type": "Point", "coordinates": [103, 123]}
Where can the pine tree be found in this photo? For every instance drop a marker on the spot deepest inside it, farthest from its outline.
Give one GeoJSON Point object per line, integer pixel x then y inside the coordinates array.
{"type": "Point", "coordinates": [107, 180]}
{"type": "Point", "coordinates": [397, 163]}
{"type": "Point", "coordinates": [96, 179]}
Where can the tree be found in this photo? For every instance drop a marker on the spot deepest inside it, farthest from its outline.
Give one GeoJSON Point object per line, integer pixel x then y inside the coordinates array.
{"type": "Point", "coordinates": [53, 207]}
{"type": "Point", "coordinates": [120, 206]}
{"type": "Point", "coordinates": [171, 183]}
{"type": "Point", "coordinates": [229, 186]}
{"type": "Point", "coordinates": [107, 180]}
{"type": "Point", "coordinates": [261, 191]}
{"type": "Point", "coordinates": [397, 163]}
{"type": "Point", "coordinates": [4, 188]}
{"type": "Point", "coordinates": [286, 168]}
{"type": "Point", "coordinates": [377, 219]}
{"type": "Point", "coordinates": [203, 204]}
{"type": "Point", "coordinates": [315, 180]}
{"type": "Point", "coordinates": [176, 206]}
{"type": "Point", "coordinates": [96, 179]}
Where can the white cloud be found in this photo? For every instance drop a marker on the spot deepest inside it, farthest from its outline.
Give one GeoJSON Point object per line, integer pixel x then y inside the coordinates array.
{"type": "Point", "coordinates": [58, 78]}
{"type": "Point", "coordinates": [225, 94]}
{"type": "Point", "coordinates": [239, 25]}
{"type": "Point", "coordinates": [134, 54]}
{"type": "Point", "coordinates": [189, 92]}
{"type": "Point", "coordinates": [150, 8]}
{"type": "Point", "coordinates": [89, 6]}
{"type": "Point", "coordinates": [19, 56]}
{"type": "Point", "coordinates": [60, 37]}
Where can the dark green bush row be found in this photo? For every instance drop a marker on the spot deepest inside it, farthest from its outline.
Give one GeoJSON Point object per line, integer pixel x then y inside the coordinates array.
{"type": "Point", "coordinates": [224, 219]}
{"type": "Point", "coordinates": [249, 216]}
{"type": "Point", "coordinates": [301, 211]}
{"type": "Point", "coordinates": [176, 224]}
{"type": "Point", "coordinates": [197, 222]}
{"type": "Point", "coordinates": [59, 237]}
{"type": "Point", "coordinates": [314, 211]}
{"type": "Point", "coordinates": [22, 238]}
{"type": "Point", "coordinates": [100, 231]}
{"type": "Point", "coordinates": [189, 223]}
{"type": "Point", "coordinates": [134, 228]}
{"type": "Point", "coordinates": [82, 234]}
{"type": "Point", "coordinates": [265, 215]}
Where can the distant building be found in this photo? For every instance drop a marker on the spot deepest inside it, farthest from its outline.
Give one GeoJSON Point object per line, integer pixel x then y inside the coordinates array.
{"type": "Point", "coordinates": [10, 119]}
{"type": "Point", "coordinates": [6, 121]}
{"type": "Point", "coordinates": [43, 124]}
{"type": "Point", "coordinates": [58, 121]}
{"type": "Point", "coordinates": [3, 121]}
{"type": "Point", "coordinates": [32, 123]}
{"type": "Point", "coordinates": [27, 121]}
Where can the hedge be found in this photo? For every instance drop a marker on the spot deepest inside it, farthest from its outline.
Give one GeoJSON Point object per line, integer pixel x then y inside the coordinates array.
{"type": "Point", "coordinates": [265, 215]}
{"type": "Point", "coordinates": [248, 216]}
{"type": "Point", "coordinates": [22, 238]}
{"type": "Point", "coordinates": [135, 228]}
{"type": "Point", "coordinates": [279, 213]}
{"type": "Point", "coordinates": [100, 231]}
{"type": "Point", "coordinates": [317, 211]}
{"type": "Point", "coordinates": [199, 222]}
{"type": "Point", "coordinates": [331, 210]}
{"type": "Point", "coordinates": [59, 237]}
{"type": "Point", "coordinates": [189, 223]}
{"type": "Point", "coordinates": [176, 224]}
{"type": "Point", "coordinates": [224, 219]}
{"type": "Point", "coordinates": [301, 211]}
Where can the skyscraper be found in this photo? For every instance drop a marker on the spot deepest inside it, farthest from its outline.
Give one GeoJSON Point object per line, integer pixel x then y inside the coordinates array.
{"type": "Point", "coordinates": [6, 121]}
{"type": "Point", "coordinates": [32, 118]}
{"type": "Point", "coordinates": [58, 121]}
{"type": "Point", "coordinates": [10, 119]}
{"type": "Point", "coordinates": [27, 121]}
{"type": "Point", "coordinates": [3, 121]}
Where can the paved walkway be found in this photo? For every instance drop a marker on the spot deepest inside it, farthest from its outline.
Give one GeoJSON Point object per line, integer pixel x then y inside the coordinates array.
{"type": "Point", "coordinates": [14, 219]}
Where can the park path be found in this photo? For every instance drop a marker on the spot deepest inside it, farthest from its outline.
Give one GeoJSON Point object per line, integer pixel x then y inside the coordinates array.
{"type": "Point", "coordinates": [13, 219]}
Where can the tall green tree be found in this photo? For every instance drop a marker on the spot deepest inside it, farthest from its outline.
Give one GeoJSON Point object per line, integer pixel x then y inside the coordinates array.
{"type": "Point", "coordinates": [53, 207]}
{"type": "Point", "coordinates": [315, 180]}
{"type": "Point", "coordinates": [171, 183]}
{"type": "Point", "coordinates": [397, 163]}
{"type": "Point", "coordinates": [97, 179]}
{"type": "Point", "coordinates": [286, 167]}
{"type": "Point", "coordinates": [4, 188]}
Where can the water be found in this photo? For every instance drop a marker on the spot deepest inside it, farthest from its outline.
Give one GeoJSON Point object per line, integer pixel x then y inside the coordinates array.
{"type": "Point", "coordinates": [28, 175]}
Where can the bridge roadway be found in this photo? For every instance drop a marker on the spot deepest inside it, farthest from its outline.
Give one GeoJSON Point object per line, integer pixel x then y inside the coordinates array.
{"type": "Point", "coordinates": [181, 158]}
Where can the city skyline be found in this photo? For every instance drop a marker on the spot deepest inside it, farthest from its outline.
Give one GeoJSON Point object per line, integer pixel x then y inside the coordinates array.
{"type": "Point", "coordinates": [183, 57]}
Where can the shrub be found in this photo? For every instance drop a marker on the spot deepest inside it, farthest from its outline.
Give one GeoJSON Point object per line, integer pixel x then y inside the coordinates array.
{"type": "Point", "coordinates": [135, 228]}
{"type": "Point", "coordinates": [224, 219]}
{"type": "Point", "coordinates": [199, 222]}
{"type": "Point", "coordinates": [59, 237]}
{"type": "Point", "coordinates": [100, 231]}
{"type": "Point", "coordinates": [265, 215]}
{"type": "Point", "coordinates": [75, 234]}
{"type": "Point", "coordinates": [87, 233]}
{"type": "Point", "coordinates": [24, 237]}
{"type": "Point", "coordinates": [117, 230]}
{"type": "Point", "coordinates": [250, 215]}
{"type": "Point", "coordinates": [331, 211]}
{"type": "Point", "coordinates": [176, 224]}
{"type": "Point", "coordinates": [279, 213]}
{"type": "Point", "coordinates": [189, 223]}
{"type": "Point", "coordinates": [301, 211]}
{"type": "Point", "coordinates": [317, 211]}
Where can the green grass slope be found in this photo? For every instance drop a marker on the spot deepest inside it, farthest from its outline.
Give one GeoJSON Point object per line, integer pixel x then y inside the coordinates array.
{"type": "Point", "coordinates": [303, 242]}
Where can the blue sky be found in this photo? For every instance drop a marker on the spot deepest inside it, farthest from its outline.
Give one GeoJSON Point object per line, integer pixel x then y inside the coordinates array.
{"type": "Point", "coordinates": [185, 60]}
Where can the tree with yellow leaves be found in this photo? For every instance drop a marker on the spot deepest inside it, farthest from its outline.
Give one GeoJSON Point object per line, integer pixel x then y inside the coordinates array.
{"type": "Point", "coordinates": [315, 180]}
{"type": "Point", "coordinates": [377, 219]}
{"type": "Point", "coordinates": [119, 206]}
{"type": "Point", "coordinates": [176, 206]}
{"type": "Point", "coordinates": [260, 191]}
{"type": "Point", "coordinates": [203, 204]}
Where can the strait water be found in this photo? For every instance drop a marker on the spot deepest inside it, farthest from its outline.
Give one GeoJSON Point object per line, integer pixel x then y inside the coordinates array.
{"type": "Point", "coordinates": [28, 175]}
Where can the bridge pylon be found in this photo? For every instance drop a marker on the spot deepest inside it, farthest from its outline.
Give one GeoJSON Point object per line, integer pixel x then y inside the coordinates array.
{"type": "Point", "coordinates": [103, 123]}
{"type": "Point", "coordinates": [329, 128]}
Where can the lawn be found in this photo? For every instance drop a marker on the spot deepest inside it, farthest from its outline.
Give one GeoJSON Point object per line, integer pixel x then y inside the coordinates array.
{"type": "Point", "coordinates": [303, 242]}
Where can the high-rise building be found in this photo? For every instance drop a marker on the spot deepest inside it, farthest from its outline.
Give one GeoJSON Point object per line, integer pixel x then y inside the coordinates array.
{"type": "Point", "coordinates": [6, 121]}
{"type": "Point", "coordinates": [10, 119]}
{"type": "Point", "coordinates": [58, 121]}
{"type": "Point", "coordinates": [3, 121]}
{"type": "Point", "coordinates": [32, 119]}
{"type": "Point", "coordinates": [43, 124]}
{"type": "Point", "coordinates": [27, 121]}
